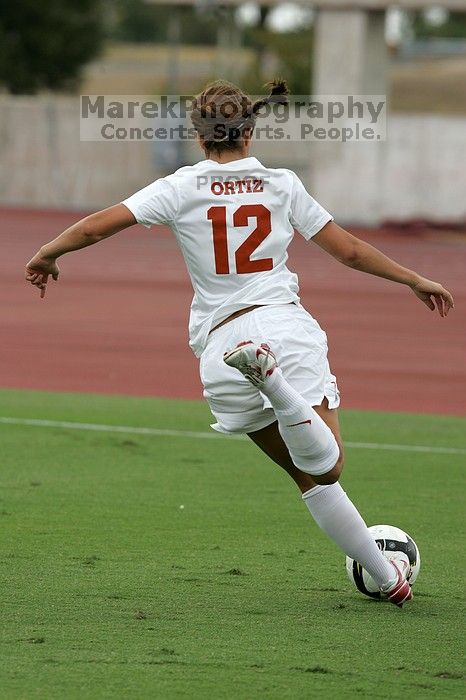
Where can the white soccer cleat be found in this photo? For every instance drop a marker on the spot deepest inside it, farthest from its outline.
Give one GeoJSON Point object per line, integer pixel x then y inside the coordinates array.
{"type": "Point", "coordinates": [255, 362]}
{"type": "Point", "coordinates": [400, 592]}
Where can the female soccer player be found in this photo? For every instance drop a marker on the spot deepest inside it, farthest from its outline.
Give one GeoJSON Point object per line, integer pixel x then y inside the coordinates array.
{"type": "Point", "coordinates": [263, 358]}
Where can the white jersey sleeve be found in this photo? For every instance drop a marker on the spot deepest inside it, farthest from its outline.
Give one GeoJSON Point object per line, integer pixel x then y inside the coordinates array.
{"type": "Point", "coordinates": [306, 215]}
{"type": "Point", "coordinates": [155, 204]}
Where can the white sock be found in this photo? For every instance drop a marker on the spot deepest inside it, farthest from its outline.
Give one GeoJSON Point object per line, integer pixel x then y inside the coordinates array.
{"type": "Point", "coordinates": [336, 515]}
{"type": "Point", "coordinates": [310, 441]}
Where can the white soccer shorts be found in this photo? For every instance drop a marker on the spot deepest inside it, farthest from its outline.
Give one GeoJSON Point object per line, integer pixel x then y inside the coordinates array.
{"type": "Point", "coordinates": [300, 346]}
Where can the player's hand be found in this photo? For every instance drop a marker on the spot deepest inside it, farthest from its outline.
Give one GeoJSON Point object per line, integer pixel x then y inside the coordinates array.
{"type": "Point", "coordinates": [433, 295]}
{"type": "Point", "coordinates": [38, 271]}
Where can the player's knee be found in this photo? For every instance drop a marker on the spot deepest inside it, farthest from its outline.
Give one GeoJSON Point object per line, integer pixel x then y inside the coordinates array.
{"type": "Point", "coordinates": [331, 476]}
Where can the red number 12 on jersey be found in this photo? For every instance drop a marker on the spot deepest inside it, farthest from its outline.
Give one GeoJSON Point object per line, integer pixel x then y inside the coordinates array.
{"type": "Point", "coordinates": [244, 264]}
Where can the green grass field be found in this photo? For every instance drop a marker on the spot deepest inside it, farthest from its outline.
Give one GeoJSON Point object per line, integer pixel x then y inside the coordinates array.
{"type": "Point", "coordinates": [112, 589]}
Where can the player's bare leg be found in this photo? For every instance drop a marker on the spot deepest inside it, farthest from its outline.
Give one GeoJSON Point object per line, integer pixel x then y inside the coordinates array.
{"type": "Point", "coordinates": [271, 442]}
{"type": "Point", "coordinates": [317, 431]}
{"type": "Point", "coordinates": [310, 442]}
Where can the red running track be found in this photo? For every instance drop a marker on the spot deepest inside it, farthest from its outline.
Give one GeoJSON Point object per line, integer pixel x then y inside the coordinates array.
{"type": "Point", "coordinates": [116, 322]}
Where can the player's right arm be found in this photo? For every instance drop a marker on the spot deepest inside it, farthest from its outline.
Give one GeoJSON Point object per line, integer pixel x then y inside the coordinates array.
{"type": "Point", "coordinates": [86, 232]}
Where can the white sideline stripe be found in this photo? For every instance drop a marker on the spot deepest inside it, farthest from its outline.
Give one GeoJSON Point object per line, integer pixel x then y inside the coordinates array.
{"type": "Point", "coordinates": [163, 432]}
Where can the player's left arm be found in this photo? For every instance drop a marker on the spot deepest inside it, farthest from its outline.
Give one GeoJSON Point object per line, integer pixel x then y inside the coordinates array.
{"type": "Point", "coordinates": [359, 255]}
{"type": "Point", "coordinates": [90, 230]}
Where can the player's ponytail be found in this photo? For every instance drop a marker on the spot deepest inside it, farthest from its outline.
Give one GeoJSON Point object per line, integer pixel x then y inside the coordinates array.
{"type": "Point", "coordinates": [278, 94]}
{"type": "Point", "coordinates": [222, 112]}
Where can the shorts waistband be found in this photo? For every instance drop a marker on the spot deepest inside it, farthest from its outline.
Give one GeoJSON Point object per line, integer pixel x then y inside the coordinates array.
{"type": "Point", "coordinates": [236, 314]}
{"type": "Point", "coordinates": [240, 312]}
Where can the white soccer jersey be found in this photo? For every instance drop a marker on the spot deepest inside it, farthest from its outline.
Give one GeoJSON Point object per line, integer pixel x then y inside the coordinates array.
{"type": "Point", "coordinates": [234, 223]}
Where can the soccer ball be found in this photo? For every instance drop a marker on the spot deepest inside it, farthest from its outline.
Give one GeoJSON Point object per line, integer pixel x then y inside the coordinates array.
{"type": "Point", "coordinates": [396, 545]}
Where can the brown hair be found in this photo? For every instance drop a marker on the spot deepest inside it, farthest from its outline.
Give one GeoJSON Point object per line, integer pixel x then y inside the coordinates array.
{"type": "Point", "coordinates": [222, 112]}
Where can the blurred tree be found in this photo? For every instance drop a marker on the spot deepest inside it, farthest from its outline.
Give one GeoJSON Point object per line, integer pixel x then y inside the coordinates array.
{"type": "Point", "coordinates": [139, 21]}
{"type": "Point", "coordinates": [200, 26]}
{"type": "Point", "coordinates": [454, 26]}
{"type": "Point", "coordinates": [44, 44]}
{"type": "Point", "coordinates": [292, 52]}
